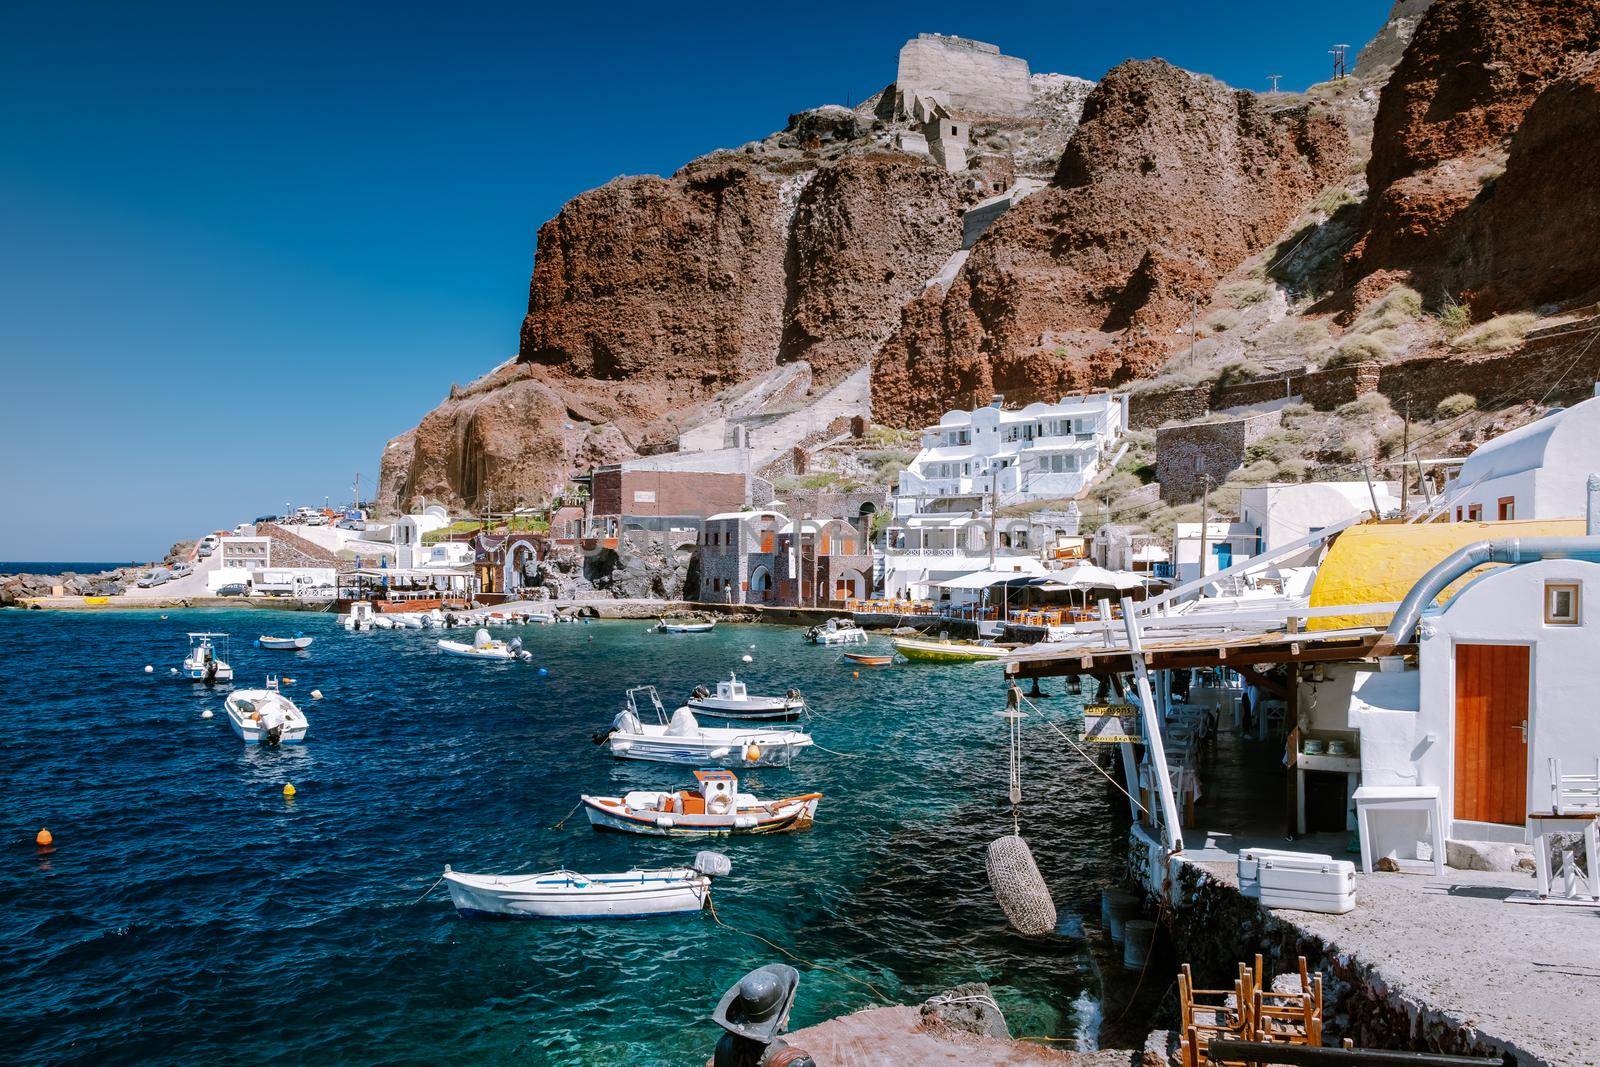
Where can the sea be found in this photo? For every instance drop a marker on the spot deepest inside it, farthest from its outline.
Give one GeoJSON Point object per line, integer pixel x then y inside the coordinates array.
{"type": "Point", "coordinates": [189, 912]}
{"type": "Point", "coordinates": [26, 566]}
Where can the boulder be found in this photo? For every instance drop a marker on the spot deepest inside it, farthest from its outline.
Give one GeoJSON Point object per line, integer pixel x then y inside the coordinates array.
{"type": "Point", "coordinates": [969, 1007]}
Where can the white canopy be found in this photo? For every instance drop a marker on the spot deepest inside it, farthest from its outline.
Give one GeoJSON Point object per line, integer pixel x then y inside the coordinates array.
{"type": "Point", "coordinates": [1088, 576]}
{"type": "Point", "coordinates": [984, 579]}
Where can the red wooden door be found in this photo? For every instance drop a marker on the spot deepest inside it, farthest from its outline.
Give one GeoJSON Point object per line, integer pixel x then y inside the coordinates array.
{"type": "Point", "coordinates": [1491, 756]}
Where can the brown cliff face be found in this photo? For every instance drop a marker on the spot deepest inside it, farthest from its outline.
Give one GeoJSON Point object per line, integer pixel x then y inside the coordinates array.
{"type": "Point", "coordinates": [1170, 181]}
{"type": "Point", "coordinates": [868, 233]}
{"type": "Point", "coordinates": [1466, 80]}
{"type": "Point", "coordinates": [1534, 235]}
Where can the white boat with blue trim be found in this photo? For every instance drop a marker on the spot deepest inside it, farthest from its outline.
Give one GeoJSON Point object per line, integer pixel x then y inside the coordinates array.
{"type": "Point", "coordinates": [206, 660]}
{"type": "Point", "coordinates": [733, 700]}
{"type": "Point", "coordinates": [565, 894]}
{"type": "Point", "coordinates": [714, 808]}
{"type": "Point", "coordinates": [265, 716]}
{"type": "Point", "coordinates": [682, 740]}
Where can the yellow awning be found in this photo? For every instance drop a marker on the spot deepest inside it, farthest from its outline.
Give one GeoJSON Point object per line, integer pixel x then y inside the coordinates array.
{"type": "Point", "coordinates": [1378, 563]}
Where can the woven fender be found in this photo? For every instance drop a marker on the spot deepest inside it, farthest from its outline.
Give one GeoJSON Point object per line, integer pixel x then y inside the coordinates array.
{"type": "Point", "coordinates": [1019, 887]}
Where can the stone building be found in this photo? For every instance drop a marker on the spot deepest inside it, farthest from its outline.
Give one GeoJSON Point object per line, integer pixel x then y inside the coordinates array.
{"type": "Point", "coordinates": [1189, 453]}
{"type": "Point", "coordinates": [823, 564]}
{"type": "Point", "coordinates": [968, 77]}
{"type": "Point", "coordinates": [738, 557]}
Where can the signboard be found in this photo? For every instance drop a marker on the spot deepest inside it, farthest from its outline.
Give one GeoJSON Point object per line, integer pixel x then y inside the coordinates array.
{"type": "Point", "coordinates": [644, 496]}
{"type": "Point", "coordinates": [1110, 724]}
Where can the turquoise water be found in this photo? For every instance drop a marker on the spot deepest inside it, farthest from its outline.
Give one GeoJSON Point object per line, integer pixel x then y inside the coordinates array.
{"type": "Point", "coordinates": [190, 912]}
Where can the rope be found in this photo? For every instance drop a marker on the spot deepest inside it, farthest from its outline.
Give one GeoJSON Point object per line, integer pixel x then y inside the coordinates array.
{"type": "Point", "coordinates": [424, 896]}
{"type": "Point", "coordinates": [712, 908]}
{"type": "Point", "coordinates": [831, 752]}
{"type": "Point", "coordinates": [567, 816]}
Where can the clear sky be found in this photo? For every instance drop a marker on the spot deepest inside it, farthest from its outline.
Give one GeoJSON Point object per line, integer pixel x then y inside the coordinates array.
{"type": "Point", "coordinates": [242, 246]}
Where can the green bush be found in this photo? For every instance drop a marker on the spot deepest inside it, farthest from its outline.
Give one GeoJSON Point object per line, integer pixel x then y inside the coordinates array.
{"type": "Point", "coordinates": [1396, 307]}
{"type": "Point", "coordinates": [1455, 405]}
{"type": "Point", "coordinates": [1359, 348]}
{"type": "Point", "coordinates": [1454, 317]}
{"type": "Point", "coordinates": [1332, 200]}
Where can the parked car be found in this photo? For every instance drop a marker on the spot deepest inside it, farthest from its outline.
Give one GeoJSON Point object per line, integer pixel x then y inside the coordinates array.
{"type": "Point", "coordinates": [181, 569]}
{"type": "Point", "coordinates": [316, 518]}
{"type": "Point", "coordinates": [154, 578]}
{"type": "Point", "coordinates": [233, 589]}
{"type": "Point", "coordinates": [205, 550]}
{"type": "Point", "coordinates": [357, 525]}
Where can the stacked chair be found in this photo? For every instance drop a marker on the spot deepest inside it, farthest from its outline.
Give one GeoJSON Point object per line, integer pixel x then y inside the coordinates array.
{"type": "Point", "coordinates": [1250, 1011]}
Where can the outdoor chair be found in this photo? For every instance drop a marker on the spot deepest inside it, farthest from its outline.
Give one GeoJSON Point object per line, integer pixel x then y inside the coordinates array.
{"type": "Point", "coordinates": [1290, 1018]}
{"type": "Point", "coordinates": [1208, 1014]}
{"type": "Point", "coordinates": [1574, 808]}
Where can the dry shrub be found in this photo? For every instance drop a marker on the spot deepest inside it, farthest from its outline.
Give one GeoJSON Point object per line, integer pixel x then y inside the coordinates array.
{"type": "Point", "coordinates": [1496, 335]}
{"type": "Point", "coordinates": [1243, 294]}
{"type": "Point", "coordinates": [1455, 405]}
{"type": "Point", "coordinates": [1361, 348]}
{"type": "Point", "coordinates": [1398, 306]}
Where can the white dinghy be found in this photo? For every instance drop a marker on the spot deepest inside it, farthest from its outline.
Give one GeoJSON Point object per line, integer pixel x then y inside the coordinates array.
{"type": "Point", "coordinates": [565, 894]}
{"type": "Point", "coordinates": [836, 632]}
{"type": "Point", "coordinates": [714, 808]}
{"type": "Point", "coordinates": [360, 617]}
{"type": "Point", "coordinates": [484, 647]}
{"type": "Point", "coordinates": [685, 626]}
{"type": "Point", "coordinates": [265, 716]}
{"type": "Point", "coordinates": [205, 663]}
{"type": "Point", "coordinates": [409, 620]}
{"type": "Point", "coordinates": [733, 701]}
{"type": "Point", "coordinates": [296, 643]}
{"type": "Point", "coordinates": [683, 740]}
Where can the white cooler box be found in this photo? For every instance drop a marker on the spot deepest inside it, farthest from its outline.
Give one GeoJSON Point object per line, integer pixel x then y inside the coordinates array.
{"type": "Point", "coordinates": [1301, 881]}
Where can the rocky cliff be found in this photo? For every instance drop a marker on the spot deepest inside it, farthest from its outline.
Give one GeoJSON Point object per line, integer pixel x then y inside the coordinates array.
{"type": "Point", "coordinates": [1170, 180]}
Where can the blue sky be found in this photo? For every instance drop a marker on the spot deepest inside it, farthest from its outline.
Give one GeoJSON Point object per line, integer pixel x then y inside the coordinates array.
{"type": "Point", "coordinates": [241, 246]}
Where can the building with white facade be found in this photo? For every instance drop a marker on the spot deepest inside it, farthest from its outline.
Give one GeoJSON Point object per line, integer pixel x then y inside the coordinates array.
{"type": "Point", "coordinates": [1042, 452]}
{"type": "Point", "coordinates": [1537, 471]}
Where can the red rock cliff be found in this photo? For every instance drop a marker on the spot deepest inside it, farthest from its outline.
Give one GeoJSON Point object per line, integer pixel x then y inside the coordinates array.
{"type": "Point", "coordinates": [1170, 181]}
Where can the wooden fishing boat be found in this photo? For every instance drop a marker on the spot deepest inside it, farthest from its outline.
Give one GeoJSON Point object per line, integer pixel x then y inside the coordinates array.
{"type": "Point", "coordinates": [869, 659]}
{"type": "Point", "coordinates": [715, 809]}
{"type": "Point", "coordinates": [564, 894]}
{"type": "Point", "coordinates": [684, 626]}
{"type": "Point", "coordinates": [934, 650]}
{"type": "Point", "coordinates": [284, 644]}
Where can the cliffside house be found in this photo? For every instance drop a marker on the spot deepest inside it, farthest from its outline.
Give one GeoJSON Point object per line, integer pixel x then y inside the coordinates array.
{"type": "Point", "coordinates": [1537, 471]}
{"type": "Point", "coordinates": [922, 553]}
{"type": "Point", "coordinates": [669, 494]}
{"type": "Point", "coordinates": [825, 564]}
{"type": "Point", "coordinates": [1121, 547]}
{"type": "Point", "coordinates": [507, 565]}
{"type": "Point", "coordinates": [739, 557]}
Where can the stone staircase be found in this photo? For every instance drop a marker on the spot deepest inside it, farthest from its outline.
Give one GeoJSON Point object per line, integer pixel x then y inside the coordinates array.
{"type": "Point", "coordinates": [291, 550]}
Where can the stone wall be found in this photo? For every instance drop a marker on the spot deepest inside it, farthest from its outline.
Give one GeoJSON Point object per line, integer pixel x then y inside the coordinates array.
{"type": "Point", "coordinates": [1219, 446]}
{"type": "Point", "coordinates": [969, 77]}
{"type": "Point", "coordinates": [620, 491]}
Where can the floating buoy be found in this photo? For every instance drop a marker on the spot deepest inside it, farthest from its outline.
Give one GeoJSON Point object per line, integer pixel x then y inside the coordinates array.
{"type": "Point", "coordinates": [288, 789]}
{"type": "Point", "coordinates": [316, 694]}
{"type": "Point", "coordinates": [149, 669]}
{"type": "Point", "coordinates": [855, 674]}
{"type": "Point", "coordinates": [44, 839]}
{"type": "Point", "coordinates": [752, 754]}
{"type": "Point", "coordinates": [748, 658]}
{"type": "Point", "coordinates": [543, 671]}
{"type": "Point", "coordinates": [288, 681]}
{"type": "Point", "coordinates": [206, 714]}
{"type": "Point", "coordinates": [174, 670]}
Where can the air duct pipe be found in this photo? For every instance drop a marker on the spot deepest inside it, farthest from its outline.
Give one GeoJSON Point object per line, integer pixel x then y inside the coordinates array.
{"type": "Point", "coordinates": [1403, 627]}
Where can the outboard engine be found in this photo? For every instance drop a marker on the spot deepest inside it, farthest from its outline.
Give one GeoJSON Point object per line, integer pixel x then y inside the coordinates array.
{"type": "Point", "coordinates": [700, 692]}
{"type": "Point", "coordinates": [794, 695]}
{"type": "Point", "coordinates": [712, 864]}
{"type": "Point", "coordinates": [515, 644]}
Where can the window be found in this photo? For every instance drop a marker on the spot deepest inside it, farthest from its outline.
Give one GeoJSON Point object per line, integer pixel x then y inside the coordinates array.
{"type": "Point", "coordinates": [1563, 603]}
{"type": "Point", "coordinates": [1508, 508]}
{"type": "Point", "coordinates": [1474, 512]}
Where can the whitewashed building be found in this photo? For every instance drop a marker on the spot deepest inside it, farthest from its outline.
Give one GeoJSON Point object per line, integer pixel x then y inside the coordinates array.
{"type": "Point", "coordinates": [1042, 452]}
{"type": "Point", "coordinates": [1536, 471]}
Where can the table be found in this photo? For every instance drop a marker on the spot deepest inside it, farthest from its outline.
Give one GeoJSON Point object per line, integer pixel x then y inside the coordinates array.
{"type": "Point", "coordinates": [1383, 798]}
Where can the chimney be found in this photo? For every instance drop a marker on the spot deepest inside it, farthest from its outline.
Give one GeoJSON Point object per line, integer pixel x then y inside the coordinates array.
{"type": "Point", "coordinates": [1592, 513]}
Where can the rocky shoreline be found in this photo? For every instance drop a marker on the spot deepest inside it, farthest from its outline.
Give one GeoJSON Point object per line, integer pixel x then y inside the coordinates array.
{"type": "Point", "coordinates": [17, 588]}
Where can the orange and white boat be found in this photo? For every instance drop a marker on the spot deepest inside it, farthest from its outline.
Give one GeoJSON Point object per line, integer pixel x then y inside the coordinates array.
{"type": "Point", "coordinates": [715, 808]}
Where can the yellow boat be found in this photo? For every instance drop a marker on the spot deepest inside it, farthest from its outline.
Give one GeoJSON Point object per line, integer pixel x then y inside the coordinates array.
{"type": "Point", "coordinates": [925, 650]}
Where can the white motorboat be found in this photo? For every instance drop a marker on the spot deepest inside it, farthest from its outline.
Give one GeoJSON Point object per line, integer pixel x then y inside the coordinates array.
{"type": "Point", "coordinates": [296, 643]}
{"type": "Point", "coordinates": [684, 626]}
{"type": "Point", "coordinates": [567, 894]}
{"type": "Point", "coordinates": [733, 701]}
{"type": "Point", "coordinates": [265, 716]}
{"type": "Point", "coordinates": [541, 618]}
{"type": "Point", "coordinates": [205, 663]}
{"type": "Point", "coordinates": [484, 647]}
{"type": "Point", "coordinates": [715, 808]}
{"type": "Point", "coordinates": [410, 620]}
{"type": "Point", "coordinates": [360, 617]}
{"type": "Point", "coordinates": [836, 632]}
{"type": "Point", "coordinates": [684, 741]}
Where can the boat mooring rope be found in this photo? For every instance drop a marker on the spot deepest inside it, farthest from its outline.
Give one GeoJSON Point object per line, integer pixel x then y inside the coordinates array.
{"type": "Point", "coordinates": [712, 908]}
{"type": "Point", "coordinates": [567, 816]}
{"type": "Point", "coordinates": [424, 896]}
{"type": "Point", "coordinates": [831, 752]}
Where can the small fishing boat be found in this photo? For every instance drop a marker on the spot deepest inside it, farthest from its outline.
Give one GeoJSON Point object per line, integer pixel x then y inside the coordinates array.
{"type": "Point", "coordinates": [565, 894]}
{"type": "Point", "coordinates": [836, 632]}
{"type": "Point", "coordinates": [715, 808]}
{"type": "Point", "coordinates": [683, 740]}
{"type": "Point", "coordinates": [733, 701]}
{"type": "Point", "coordinates": [265, 716]}
{"type": "Point", "coordinates": [360, 617]}
{"type": "Point", "coordinates": [485, 647]}
{"type": "Point", "coordinates": [684, 626]}
{"type": "Point", "coordinates": [203, 663]}
{"type": "Point", "coordinates": [869, 659]}
{"type": "Point", "coordinates": [943, 650]}
{"type": "Point", "coordinates": [284, 644]}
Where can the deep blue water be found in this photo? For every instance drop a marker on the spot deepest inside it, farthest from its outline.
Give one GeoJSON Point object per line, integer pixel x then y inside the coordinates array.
{"type": "Point", "coordinates": [189, 912]}
{"type": "Point", "coordinates": [27, 566]}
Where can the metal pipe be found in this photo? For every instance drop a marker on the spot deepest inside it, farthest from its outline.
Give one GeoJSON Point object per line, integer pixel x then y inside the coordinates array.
{"type": "Point", "coordinates": [1402, 628]}
{"type": "Point", "coordinates": [1223, 1050]}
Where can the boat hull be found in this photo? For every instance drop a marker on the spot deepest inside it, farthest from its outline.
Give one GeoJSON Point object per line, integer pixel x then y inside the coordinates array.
{"type": "Point", "coordinates": [772, 709]}
{"type": "Point", "coordinates": [466, 651]}
{"type": "Point", "coordinates": [685, 627]}
{"type": "Point", "coordinates": [946, 652]}
{"type": "Point", "coordinates": [284, 644]}
{"type": "Point", "coordinates": [614, 818]}
{"type": "Point", "coordinates": [633, 895]}
{"type": "Point", "coordinates": [689, 752]}
{"type": "Point", "coordinates": [868, 660]}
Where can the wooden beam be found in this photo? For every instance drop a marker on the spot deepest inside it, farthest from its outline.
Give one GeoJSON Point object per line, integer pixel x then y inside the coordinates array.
{"type": "Point", "coordinates": [1237, 657]}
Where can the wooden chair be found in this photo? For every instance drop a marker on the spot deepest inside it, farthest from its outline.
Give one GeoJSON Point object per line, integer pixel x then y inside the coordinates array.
{"type": "Point", "coordinates": [1291, 1018]}
{"type": "Point", "coordinates": [1208, 1014]}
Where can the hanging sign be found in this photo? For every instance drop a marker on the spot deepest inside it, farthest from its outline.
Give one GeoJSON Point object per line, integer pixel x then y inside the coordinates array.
{"type": "Point", "coordinates": [1110, 724]}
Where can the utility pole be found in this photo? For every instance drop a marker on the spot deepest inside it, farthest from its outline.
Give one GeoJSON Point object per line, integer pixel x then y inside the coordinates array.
{"type": "Point", "coordinates": [1274, 78]}
{"type": "Point", "coordinates": [1194, 328]}
{"type": "Point", "coordinates": [994, 502]}
{"type": "Point", "coordinates": [1338, 53]}
{"type": "Point", "coordinates": [1405, 450]}
{"type": "Point", "coordinates": [1205, 505]}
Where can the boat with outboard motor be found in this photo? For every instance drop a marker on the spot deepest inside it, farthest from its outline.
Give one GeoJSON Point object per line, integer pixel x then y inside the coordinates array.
{"type": "Point", "coordinates": [733, 701]}
{"type": "Point", "coordinates": [836, 632]}
{"type": "Point", "coordinates": [297, 643]}
{"type": "Point", "coordinates": [265, 716]}
{"type": "Point", "coordinates": [714, 808]}
{"type": "Point", "coordinates": [683, 740]}
{"type": "Point", "coordinates": [564, 894]}
{"type": "Point", "coordinates": [204, 663]}
{"type": "Point", "coordinates": [360, 617]}
{"type": "Point", "coordinates": [485, 647]}
{"type": "Point", "coordinates": [684, 626]}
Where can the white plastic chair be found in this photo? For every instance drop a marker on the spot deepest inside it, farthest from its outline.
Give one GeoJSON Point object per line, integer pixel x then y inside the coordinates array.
{"type": "Point", "coordinates": [1574, 808]}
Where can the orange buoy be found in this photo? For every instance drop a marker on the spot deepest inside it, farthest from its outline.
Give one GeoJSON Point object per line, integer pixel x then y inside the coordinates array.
{"type": "Point", "coordinates": [288, 789]}
{"type": "Point", "coordinates": [753, 753]}
{"type": "Point", "coordinates": [855, 674]}
{"type": "Point", "coordinates": [44, 839]}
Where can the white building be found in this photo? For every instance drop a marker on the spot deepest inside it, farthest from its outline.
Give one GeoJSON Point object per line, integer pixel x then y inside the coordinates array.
{"type": "Point", "coordinates": [1536, 471]}
{"type": "Point", "coordinates": [407, 534]}
{"type": "Point", "coordinates": [922, 551]}
{"type": "Point", "coordinates": [1042, 452]}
